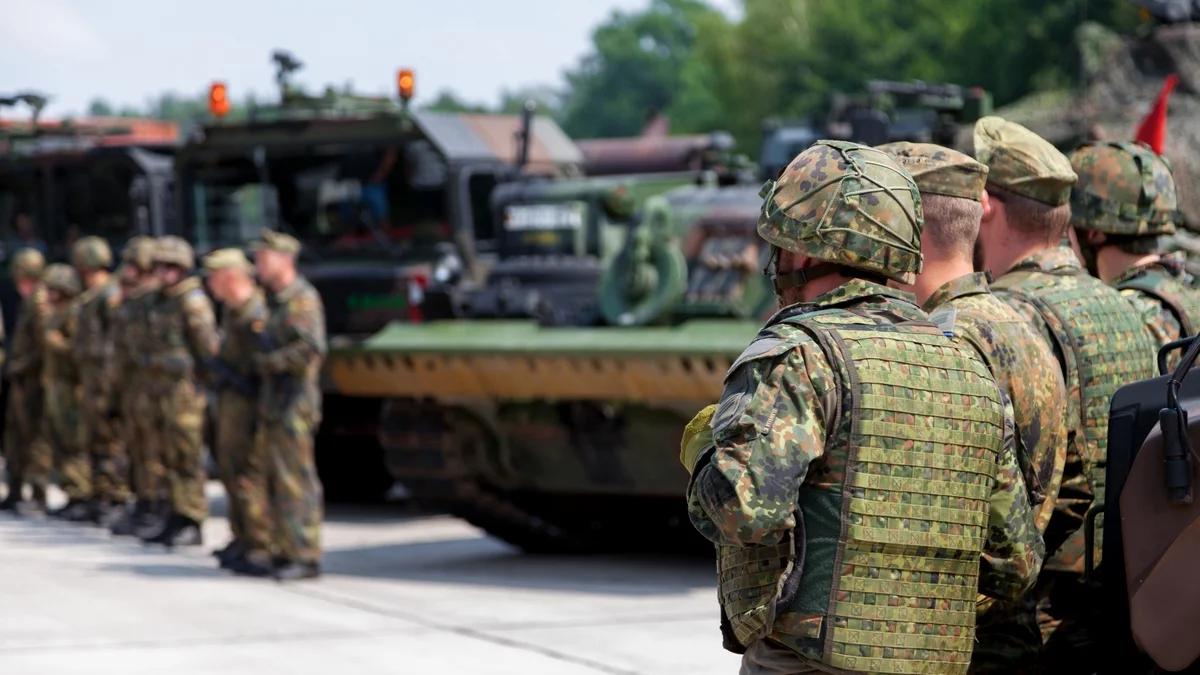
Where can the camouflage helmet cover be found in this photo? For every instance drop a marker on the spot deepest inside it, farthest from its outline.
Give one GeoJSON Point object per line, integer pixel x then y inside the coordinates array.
{"type": "Point", "coordinates": [28, 263]}
{"type": "Point", "coordinates": [62, 278]}
{"type": "Point", "coordinates": [1123, 188]}
{"type": "Point", "coordinates": [173, 250]}
{"type": "Point", "coordinates": [91, 253]}
{"type": "Point", "coordinates": [847, 204]}
{"type": "Point", "coordinates": [139, 252]}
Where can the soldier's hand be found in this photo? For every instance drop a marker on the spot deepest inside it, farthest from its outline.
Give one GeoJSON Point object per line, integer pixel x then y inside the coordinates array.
{"type": "Point", "coordinates": [697, 437]}
{"type": "Point", "coordinates": [56, 339]}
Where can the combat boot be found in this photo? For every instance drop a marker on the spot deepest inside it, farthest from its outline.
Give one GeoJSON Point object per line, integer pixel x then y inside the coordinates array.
{"type": "Point", "coordinates": [83, 512]}
{"type": "Point", "coordinates": [126, 523]}
{"type": "Point", "coordinates": [71, 510]}
{"type": "Point", "coordinates": [152, 522]}
{"type": "Point", "coordinates": [295, 570]}
{"type": "Point", "coordinates": [106, 514]}
{"type": "Point", "coordinates": [251, 566]}
{"type": "Point", "coordinates": [230, 553]}
{"type": "Point", "coordinates": [11, 501]}
{"type": "Point", "coordinates": [179, 531]}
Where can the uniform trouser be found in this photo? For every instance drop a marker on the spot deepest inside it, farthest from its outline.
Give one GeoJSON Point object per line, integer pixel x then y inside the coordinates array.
{"type": "Point", "coordinates": [293, 530]}
{"type": "Point", "coordinates": [1068, 616]}
{"type": "Point", "coordinates": [767, 657]}
{"type": "Point", "coordinates": [64, 432]}
{"type": "Point", "coordinates": [1007, 639]}
{"type": "Point", "coordinates": [27, 456]}
{"type": "Point", "coordinates": [179, 433]}
{"type": "Point", "coordinates": [139, 416]}
{"type": "Point", "coordinates": [110, 474]}
{"type": "Point", "coordinates": [237, 417]}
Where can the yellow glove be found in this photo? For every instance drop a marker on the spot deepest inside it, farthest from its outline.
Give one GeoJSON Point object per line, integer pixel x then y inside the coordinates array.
{"type": "Point", "coordinates": [697, 437]}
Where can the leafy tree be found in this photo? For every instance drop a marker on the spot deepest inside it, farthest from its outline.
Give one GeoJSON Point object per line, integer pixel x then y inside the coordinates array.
{"type": "Point", "coordinates": [448, 101]}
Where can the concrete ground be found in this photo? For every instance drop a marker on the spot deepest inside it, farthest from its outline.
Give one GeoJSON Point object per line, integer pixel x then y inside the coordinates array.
{"type": "Point", "coordinates": [401, 594]}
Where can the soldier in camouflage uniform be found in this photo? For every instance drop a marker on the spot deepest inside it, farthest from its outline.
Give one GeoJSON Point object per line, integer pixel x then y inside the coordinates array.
{"type": "Point", "coordinates": [859, 476]}
{"type": "Point", "coordinates": [1098, 336]}
{"type": "Point", "coordinates": [183, 337]}
{"type": "Point", "coordinates": [289, 363]}
{"type": "Point", "coordinates": [1123, 208]}
{"type": "Point", "coordinates": [62, 393]}
{"type": "Point", "coordinates": [93, 350]}
{"type": "Point", "coordinates": [135, 400]}
{"type": "Point", "coordinates": [960, 302]}
{"type": "Point", "coordinates": [243, 469]}
{"type": "Point", "coordinates": [27, 456]}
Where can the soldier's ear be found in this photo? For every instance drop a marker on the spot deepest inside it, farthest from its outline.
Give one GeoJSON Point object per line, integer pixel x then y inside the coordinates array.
{"type": "Point", "coordinates": [987, 206]}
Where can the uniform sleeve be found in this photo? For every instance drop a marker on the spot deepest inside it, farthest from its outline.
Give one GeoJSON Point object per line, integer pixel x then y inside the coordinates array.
{"type": "Point", "coordinates": [305, 337]}
{"type": "Point", "coordinates": [1013, 552]}
{"type": "Point", "coordinates": [201, 327]}
{"type": "Point", "coordinates": [768, 429]}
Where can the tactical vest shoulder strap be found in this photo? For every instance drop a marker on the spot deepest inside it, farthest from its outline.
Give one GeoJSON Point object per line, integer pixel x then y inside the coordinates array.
{"type": "Point", "coordinates": [1178, 305]}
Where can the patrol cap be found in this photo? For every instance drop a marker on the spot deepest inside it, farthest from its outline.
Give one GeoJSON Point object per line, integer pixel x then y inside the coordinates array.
{"type": "Point", "coordinates": [227, 258]}
{"type": "Point", "coordinates": [939, 170]}
{"type": "Point", "coordinates": [276, 241]}
{"type": "Point", "coordinates": [1022, 162]}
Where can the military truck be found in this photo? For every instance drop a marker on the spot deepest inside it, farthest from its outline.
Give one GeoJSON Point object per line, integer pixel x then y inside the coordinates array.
{"type": "Point", "coordinates": [389, 203]}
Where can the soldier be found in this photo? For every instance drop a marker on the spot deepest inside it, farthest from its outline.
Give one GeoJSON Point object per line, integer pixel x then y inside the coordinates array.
{"type": "Point", "coordinates": [243, 471]}
{"type": "Point", "coordinates": [183, 337]}
{"type": "Point", "coordinates": [959, 301]}
{"type": "Point", "coordinates": [62, 395]}
{"type": "Point", "coordinates": [93, 350]}
{"type": "Point", "coordinates": [859, 477]}
{"type": "Point", "coordinates": [135, 401]}
{"type": "Point", "coordinates": [1123, 208]}
{"type": "Point", "coordinates": [289, 362]}
{"type": "Point", "coordinates": [27, 456]}
{"type": "Point", "coordinates": [1098, 337]}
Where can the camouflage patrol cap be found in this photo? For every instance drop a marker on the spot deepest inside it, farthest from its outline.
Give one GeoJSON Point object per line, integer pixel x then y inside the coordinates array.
{"type": "Point", "coordinates": [173, 250]}
{"type": "Point", "coordinates": [91, 253]}
{"type": "Point", "coordinates": [1022, 162]}
{"type": "Point", "coordinates": [227, 258]}
{"type": "Point", "coordinates": [938, 170]}
{"type": "Point", "coordinates": [847, 204]}
{"type": "Point", "coordinates": [62, 278]}
{"type": "Point", "coordinates": [1123, 188]}
{"type": "Point", "coordinates": [28, 263]}
{"type": "Point", "coordinates": [139, 252]}
{"type": "Point", "coordinates": [277, 241]}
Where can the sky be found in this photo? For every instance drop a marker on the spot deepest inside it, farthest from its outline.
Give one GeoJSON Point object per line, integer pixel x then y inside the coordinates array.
{"type": "Point", "coordinates": [127, 51]}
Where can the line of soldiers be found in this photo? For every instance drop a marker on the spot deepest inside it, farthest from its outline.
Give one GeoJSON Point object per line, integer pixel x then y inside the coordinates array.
{"type": "Point", "coordinates": [110, 378]}
{"type": "Point", "coordinates": [900, 470]}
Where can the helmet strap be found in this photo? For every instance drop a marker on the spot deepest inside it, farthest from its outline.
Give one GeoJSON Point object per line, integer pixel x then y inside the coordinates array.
{"type": "Point", "coordinates": [801, 277]}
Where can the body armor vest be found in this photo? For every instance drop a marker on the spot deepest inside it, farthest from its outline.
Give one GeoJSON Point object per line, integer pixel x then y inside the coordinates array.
{"type": "Point", "coordinates": [915, 445]}
{"type": "Point", "coordinates": [1181, 299]}
{"type": "Point", "coordinates": [1105, 346]}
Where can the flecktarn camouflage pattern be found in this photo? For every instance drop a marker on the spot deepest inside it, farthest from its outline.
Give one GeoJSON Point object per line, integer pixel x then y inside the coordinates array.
{"type": "Point", "coordinates": [939, 170]}
{"type": "Point", "coordinates": [1105, 345]}
{"type": "Point", "coordinates": [873, 564]}
{"type": "Point", "coordinates": [1172, 303]}
{"type": "Point", "coordinates": [1123, 188]}
{"type": "Point", "coordinates": [1022, 162]}
{"type": "Point", "coordinates": [849, 204]}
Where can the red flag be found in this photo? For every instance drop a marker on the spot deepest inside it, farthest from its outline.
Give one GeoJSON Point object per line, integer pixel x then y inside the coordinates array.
{"type": "Point", "coordinates": [1153, 129]}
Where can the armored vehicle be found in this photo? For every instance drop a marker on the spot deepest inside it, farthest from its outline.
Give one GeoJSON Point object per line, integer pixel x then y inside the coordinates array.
{"type": "Point", "coordinates": [390, 205]}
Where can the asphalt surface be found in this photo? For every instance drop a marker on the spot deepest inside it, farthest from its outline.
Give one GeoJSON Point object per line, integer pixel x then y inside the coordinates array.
{"type": "Point", "coordinates": [402, 593]}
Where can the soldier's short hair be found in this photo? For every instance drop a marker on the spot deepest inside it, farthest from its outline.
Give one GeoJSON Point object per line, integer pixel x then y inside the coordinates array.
{"type": "Point", "coordinates": [951, 223]}
{"type": "Point", "coordinates": [1031, 216]}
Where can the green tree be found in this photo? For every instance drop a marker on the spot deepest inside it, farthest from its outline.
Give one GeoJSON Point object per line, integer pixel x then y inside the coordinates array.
{"type": "Point", "coordinates": [448, 101]}
{"type": "Point", "coordinates": [637, 67]}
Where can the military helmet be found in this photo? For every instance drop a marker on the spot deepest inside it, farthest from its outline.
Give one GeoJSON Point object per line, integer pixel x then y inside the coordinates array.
{"type": "Point", "coordinates": [139, 252]}
{"type": "Point", "coordinates": [1123, 188]}
{"type": "Point", "coordinates": [62, 278]}
{"type": "Point", "coordinates": [28, 263]}
{"type": "Point", "coordinates": [91, 253]}
{"type": "Point", "coordinates": [173, 250]}
{"type": "Point", "coordinates": [847, 204]}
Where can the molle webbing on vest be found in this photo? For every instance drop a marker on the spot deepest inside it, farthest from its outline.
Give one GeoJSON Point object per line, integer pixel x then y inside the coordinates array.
{"type": "Point", "coordinates": [926, 429]}
{"type": "Point", "coordinates": [1106, 346]}
{"type": "Point", "coordinates": [749, 580]}
{"type": "Point", "coordinates": [1179, 298]}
